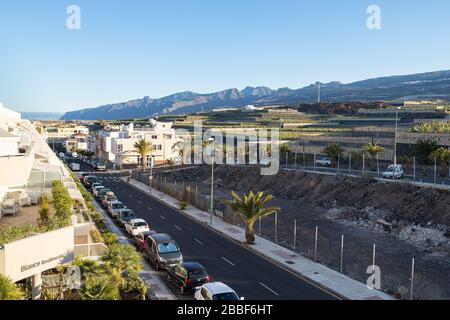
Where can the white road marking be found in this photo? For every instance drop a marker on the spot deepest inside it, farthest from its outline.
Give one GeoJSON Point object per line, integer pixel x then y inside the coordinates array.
{"type": "Point", "coordinates": [199, 242]}
{"type": "Point", "coordinates": [269, 289]}
{"type": "Point", "coordinates": [162, 217]}
{"type": "Point", "coordinates": [131, 196]}
{"type": "Point", "coordinates": [149, 208]}
{"type": "Point", "coordinates": [139, 201]}
{"type": "Point", "coordinates": [177, 227]}
{"type": "Point", "coordinates": [225, 259]}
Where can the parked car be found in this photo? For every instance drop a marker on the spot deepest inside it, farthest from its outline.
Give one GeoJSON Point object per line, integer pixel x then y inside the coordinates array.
{"type": "Point", "coordinates": [96, 189]}
{"type": "Point", "coordinates": [324, 161]}
{"type": "Point", "coordinates": [140, 240]}
{"type": "Point", "coordinates": [89, 180]}
{"type": "Point", "coordinates": [74, 166]}
{"type": "Point", "coordinates": [83, 175]}
{"type": "Point", "coordinates": [104, 192]}
{"type": "Point", "coordinates": [215, 291]}
{"type": "Point", "coordinates": [162, 251]}
{"type": "Point", "coordinates": [124, 215]}
{"type": "Point", "coordinates": [394, 172]}
{"type": "Point", "coordinates": [114, 207]}
{"type": "Point", "coordinates": [107, 199]}
{"type": "Point", "coordinates": [136, 226]}
{"type": "Point", "coordinates": [100, 166]}
{"type": "Point", "coordinates": [61, 155]}
{"type": "Point", "coordinates": [95, 185]}
{"type": "Point", "coordinates": [187, 276]}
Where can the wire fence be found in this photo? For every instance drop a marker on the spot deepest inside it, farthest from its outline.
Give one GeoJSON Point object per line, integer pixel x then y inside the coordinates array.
{"type": "Point", "coordinates": [435, 172]}
{"type": "Point", "coordinates": [341, 252]}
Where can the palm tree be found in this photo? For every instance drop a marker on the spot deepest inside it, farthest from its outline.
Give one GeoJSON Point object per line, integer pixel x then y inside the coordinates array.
{"type": "Point", "coordinates": [122, 258]}
{"type": "Point", "coordinates": [443, 156]}
{"type": "Point", "coordinates": [250, 208]}
{"type": "Point", "coordinates": [9, 290]}
{"type": "Point", "coordinates": [373, 150]}
{"type": "Point", "coordinates": [423, 148]}
{"type": "Point", "coordinates": [100, 288]}
{"type": "Point", "coordinates": [285, 148]}
{"type": "Point", "coordinates": [334, 151]}
{"type": "Point", "coordinates": [143, 148]}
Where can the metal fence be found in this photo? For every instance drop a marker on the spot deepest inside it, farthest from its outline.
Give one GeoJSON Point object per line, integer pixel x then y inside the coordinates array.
{"type": "Point", "coordinates": [433, 173]}
{"type": "Point", "coordinates": [402, 275]}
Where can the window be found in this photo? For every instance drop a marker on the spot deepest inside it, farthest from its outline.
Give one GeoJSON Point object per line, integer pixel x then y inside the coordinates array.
{"type": "Point", "coordinates": [120, 148]}
{"type": "Point", "coordinates": [157, 147]}
{"type": "Point", "coordinates": [154, 137]}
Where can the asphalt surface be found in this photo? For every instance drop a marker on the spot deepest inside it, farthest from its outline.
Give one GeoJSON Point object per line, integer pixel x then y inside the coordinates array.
{"type": "Point", "coordinates": [249, 274]}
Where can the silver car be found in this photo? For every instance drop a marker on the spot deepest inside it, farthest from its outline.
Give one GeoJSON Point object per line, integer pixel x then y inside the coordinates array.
{"type": "Point", "coordinates": [114, 208]}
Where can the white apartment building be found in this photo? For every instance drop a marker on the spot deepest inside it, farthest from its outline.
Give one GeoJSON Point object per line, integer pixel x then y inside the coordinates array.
{"type": "Point", "coordinates": [28, 168]}
{"type": "Point", "coordinates": [116, 145]}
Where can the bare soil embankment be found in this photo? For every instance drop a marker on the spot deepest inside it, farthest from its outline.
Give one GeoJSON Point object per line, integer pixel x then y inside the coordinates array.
{"type": "Point", "coordinates": [404, 221]}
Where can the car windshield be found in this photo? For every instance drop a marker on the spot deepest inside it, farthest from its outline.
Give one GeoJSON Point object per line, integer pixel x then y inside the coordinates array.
{"type": "Point", "coordinates": [198, 273]}
{"type": "Point", "coordinates": [111, 199]}
{"type": "Point", "coordinates": [128, 215]}
{"type": "Point", "coordinates": [118, 206]}
{"type": "Point", "coordinates": [140, 224]}
{"type": "Point", "coordinates": [226, 296]}
{"type": "Point", "coordinates": [169, 247]}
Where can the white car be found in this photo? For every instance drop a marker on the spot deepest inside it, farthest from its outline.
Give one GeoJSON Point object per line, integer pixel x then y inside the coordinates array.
{"type": "Point", "coordinates": [324, 161]}
{"type": "Point", "coordinates": [114, 208]}
{"type": "Point", "coordinates": [215, 291]}
{"type": "Point", "coordinates": [136, 226]}
{"type": "Point", "coordinates": [97, 189]}
{"type": "Point", "coordinates": [394, 172]}
{"type": "Point", "coordinates": [75, 166]}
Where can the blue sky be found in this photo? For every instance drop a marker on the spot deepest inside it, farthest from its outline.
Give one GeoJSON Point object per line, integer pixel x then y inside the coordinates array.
{"type": "Point", "coordinates": [130, 49]}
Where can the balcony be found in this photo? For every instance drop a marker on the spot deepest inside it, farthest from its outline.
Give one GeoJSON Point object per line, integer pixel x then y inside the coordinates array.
{"type": "Point", "coordinates": [18, 167]}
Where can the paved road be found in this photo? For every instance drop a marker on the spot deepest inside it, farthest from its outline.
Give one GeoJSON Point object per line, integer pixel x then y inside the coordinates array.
{"type": "Point", "coordinates": [251, 275]}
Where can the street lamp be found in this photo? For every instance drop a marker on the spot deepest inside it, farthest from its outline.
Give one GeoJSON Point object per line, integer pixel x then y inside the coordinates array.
{"type": "Point", "coordinates": [211, 140]}
{"type": "Point", "coordinates": [151, 172]}
{"type": "Point", "coordinates": [395, 141]}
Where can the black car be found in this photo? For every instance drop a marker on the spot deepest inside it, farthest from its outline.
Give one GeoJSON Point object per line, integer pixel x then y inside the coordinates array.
{"type": "Point", "coordinates": [188, 275]}
{"type": "Point", "coordinates": [89, 180]}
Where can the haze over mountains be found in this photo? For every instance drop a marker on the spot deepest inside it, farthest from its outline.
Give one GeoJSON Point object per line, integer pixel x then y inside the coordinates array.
{"type": "Point", "coordinates": [406, 87]}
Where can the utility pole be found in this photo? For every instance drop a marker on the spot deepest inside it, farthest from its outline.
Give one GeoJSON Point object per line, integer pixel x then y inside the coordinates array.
{"type": "Point", "coordinates": [318, 91]}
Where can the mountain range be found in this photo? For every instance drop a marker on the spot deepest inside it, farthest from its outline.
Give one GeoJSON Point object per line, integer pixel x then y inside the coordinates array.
{"type": "Point", "coordinates": [430, 85]}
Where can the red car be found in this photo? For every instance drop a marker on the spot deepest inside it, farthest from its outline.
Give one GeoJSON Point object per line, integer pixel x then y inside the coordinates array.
{"type": "Point", "coordinates": [140, 240]}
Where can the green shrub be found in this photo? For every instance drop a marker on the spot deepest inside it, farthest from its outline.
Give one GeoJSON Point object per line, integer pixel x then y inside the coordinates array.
{"type": "Point", "coordinates": [61, 201]}
{"type": "Point", "coordinates": [9, 290]}
{"type": "Point", "coordinates": [133, 283]}
{"type": "Point", "coordinates": [43, 212]}
{"type": "Point", "coordinates": [96, 236]}
{"type": "Point", "coordinates": [183, 205]}
{"type": "Point", "coordinates": [10, 233]}
{"type": "Point", "coordinates": [110, 238]}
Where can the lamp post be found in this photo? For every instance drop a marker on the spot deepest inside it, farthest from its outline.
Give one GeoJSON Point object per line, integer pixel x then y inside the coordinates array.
{"type": "Point", "coordinates": [211, 140]}
{"type": "Point", "coordinates": [395, 141]}
{"type": "Point", "coordinates": [151, 172]}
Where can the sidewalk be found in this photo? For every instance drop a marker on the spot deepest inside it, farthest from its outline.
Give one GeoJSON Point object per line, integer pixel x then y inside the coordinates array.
{"type": "Point", "coordinates": [157, 289]}
{"type": "Point", "coordinates": [316, 273]}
